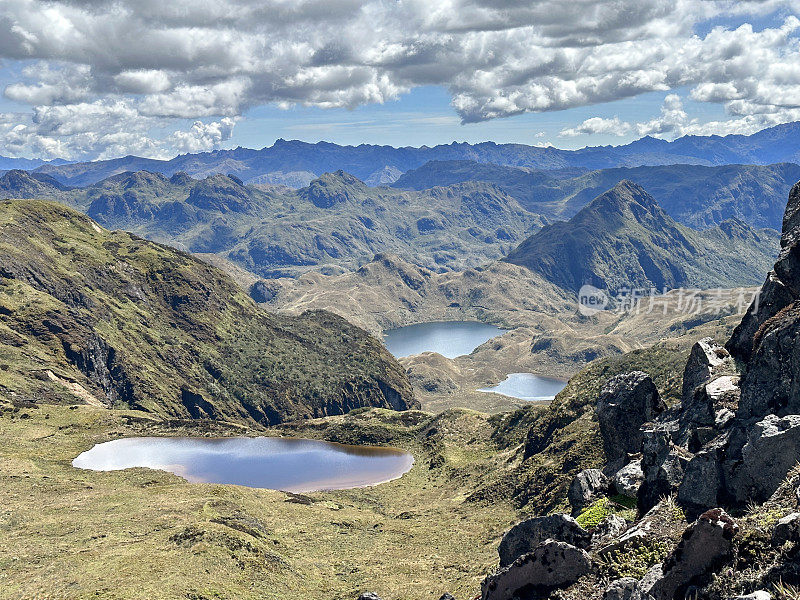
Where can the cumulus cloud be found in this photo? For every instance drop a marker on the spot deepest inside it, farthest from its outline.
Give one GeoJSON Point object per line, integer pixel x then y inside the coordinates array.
{"type": "Point", "coordinates": [203, 136]}
{"type": "Point", "coordinates": [183, 59]}
{"type": "Point", "coordinates": [597, 125]}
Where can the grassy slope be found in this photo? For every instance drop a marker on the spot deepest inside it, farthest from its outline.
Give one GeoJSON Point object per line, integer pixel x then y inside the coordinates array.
{"type": "Point", "coordinates": [149, 535]}
{"type": "Point", "coordinates": [145, 534]}
{"type": "Point", "coordinates": [136, 324]}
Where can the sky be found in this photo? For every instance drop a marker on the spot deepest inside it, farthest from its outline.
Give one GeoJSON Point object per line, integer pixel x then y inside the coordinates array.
{"type": "Point", "coordinates": [96, 79]}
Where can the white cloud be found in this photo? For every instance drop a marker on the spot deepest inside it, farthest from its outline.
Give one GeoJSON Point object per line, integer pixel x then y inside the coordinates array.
{"type": "Point", "coordinates": [203, 136]}
{"type": "Point", "coordinates": [597, 125]}
{"type": "Point", "coordinates": [188, 60]}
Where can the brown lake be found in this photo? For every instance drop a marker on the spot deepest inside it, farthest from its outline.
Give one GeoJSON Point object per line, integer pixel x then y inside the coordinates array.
{"type": "Point", "coordinates": [288, 464]}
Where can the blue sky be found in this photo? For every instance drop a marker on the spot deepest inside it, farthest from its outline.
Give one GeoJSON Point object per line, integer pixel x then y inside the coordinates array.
{"type": "Point", "coordinates": [96, 80]}
{"type": "Point", "coordinates": [424, 117]}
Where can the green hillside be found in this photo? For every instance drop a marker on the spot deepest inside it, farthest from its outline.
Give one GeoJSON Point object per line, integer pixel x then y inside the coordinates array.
{"type": "Point", "coordinates": [111, 319]}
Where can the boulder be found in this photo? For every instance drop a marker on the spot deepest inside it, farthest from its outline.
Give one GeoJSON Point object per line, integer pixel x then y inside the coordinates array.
{"type": "Point", "coordinates": [771, 450]}
{"type": "Point", "coordinates": [703, 485]}
{"type": "Point", "coordinates": [700, 408]}
{"type": "Point", "coordinates": [704, 546]}
{"type": "Point", "coordinates": [786, 529]}
{"type": "Point", "coordinates": [663, 466]}
{"type": "Point", "coordinates": [552, 565]}
{"type": "Point", "coordinates": [585, 487]}
{"type": "Point", "coordinates": [611, 527]}
{"type": "Point", "coordinates": [705, 356]}
{"type": "Point", "coordinates": [626, 588]}
{"type": "Point", "coordinates": [369, 596]}
{"type": "Point", "coordinates": [447, 596]}
{"type": "Point", "coordinates": [524, 537]}
{"type": "Point", "coordinates": [625, 403]}
{"type": "Point", "coordinates": [629, 478]}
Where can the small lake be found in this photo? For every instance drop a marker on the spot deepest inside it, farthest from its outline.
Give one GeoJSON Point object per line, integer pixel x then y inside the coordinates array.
{"type": "Point", "coordinates": [527, 386]}
{"type": "Point", "coordinates": [448, 338]}
{"type": "Point", "coordinates": [292, 465]}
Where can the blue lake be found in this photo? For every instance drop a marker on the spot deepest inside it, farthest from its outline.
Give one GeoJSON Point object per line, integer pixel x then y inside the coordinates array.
{"type": "Point", "coordinates": [292, 465]}
{"type": "Point", "coordinates": [448, 338]}
{"type": "Point", "coordinates": [527, 386]}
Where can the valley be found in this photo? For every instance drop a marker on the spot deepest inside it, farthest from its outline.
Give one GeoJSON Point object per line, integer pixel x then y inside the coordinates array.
{"type": "Point", "coordinates": [195, 382]}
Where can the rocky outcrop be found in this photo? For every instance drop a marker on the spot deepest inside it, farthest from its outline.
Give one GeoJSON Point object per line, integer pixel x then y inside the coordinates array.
{"type": "Point", "coordinates": [628, 479]}
{"type": "Point", "coordinates": [550, 566]}
{"type": "Point", "coordinates": [706, 356]}
{"type": "Point", "coordinates": [527, 535]}
{"type": "Point", "coordinates": [780, 290]}
{"type": "Point", "coordinates": [663, 466]}
{"type": "Point", "coordinates": [625, 403]}
{"type": "Point", "coordinates": [786, 529]}
{"type": "Point", "coordinates": [705, 544]}
{"type": "Point", "coordinates": [626, 588]}
{"type": "Point", "coordinates": [585, 487]}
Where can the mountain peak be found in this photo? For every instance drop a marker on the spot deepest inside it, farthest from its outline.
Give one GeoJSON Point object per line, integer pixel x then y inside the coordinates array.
{"type": "Point", "coordinates": [624, 239]}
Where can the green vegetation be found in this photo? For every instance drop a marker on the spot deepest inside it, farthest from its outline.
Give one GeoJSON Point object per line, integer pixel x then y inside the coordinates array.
{"type": "Point", "coordinates": [595, 513]}
{"type": "Point", "coordinates": [635, 559]}
{"type": "Point", "coordinates": [110, 319]}
{"type": "Point", "coordinates": [141, 534]}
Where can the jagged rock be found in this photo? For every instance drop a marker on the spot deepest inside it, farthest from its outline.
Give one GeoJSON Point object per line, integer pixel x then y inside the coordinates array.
{"type": "Point", "coordinates": [585, 487]}
{"type": "Point", "coordinates": [625, 403]}
{"type": "Point", "coordinates": [663, 466]}
{"type": "Point", "coordinates": [629, 478]}
{"type": "Point", "coordinates": [702, 487]}
{"type": "Point", "coordinates": [706, 355]}
{"type": "Point", "coordinates": [653, 575]}
{"type": "Point", "coordinates": [700, 408]}
{"type": "Point", "coordinates": [626, 588]}
{"type": "Point", "coordinates": [723, 418]}
{"type": "Point", "coordinates": [524, 537]}
{"type": "Point", "coordinates": [759, 595]}
{"type": "Point", "coordinates": [705, 544]}
{"type": "Point", "coordinates": [781, 289]}
{"type": "Point", "coordinates": [447, 596]}
{"type": "Point", "coordinates": [369, 596]}
{"type": "Point", "coordinates": [550, 566]}
{"type": "Point", "coordinates": [771, 384]}
{"type": "Point", "coordinates": [772, 449]}
{"type": "Point", "coordinates": [786, 529]}
{"type": "Point", "coordinates": [610, 527]}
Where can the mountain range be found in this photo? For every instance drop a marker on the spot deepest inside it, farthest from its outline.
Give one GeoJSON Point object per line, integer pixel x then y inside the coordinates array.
{"type": "Point", "coordinates": [339, 222]}
{"type": "Point", "coordinates": [693, 195]}
{"type": "Point", "coordinates": [296, 163]}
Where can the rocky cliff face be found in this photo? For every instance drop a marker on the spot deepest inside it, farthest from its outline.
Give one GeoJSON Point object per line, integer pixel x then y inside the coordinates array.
{"type": "Point", "coordinates": [724, 458]}
{"type": "Point", "coordinates": [106, 317]}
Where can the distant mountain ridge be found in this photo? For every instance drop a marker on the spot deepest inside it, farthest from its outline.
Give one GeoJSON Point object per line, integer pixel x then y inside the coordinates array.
{"type": "Point", "coordinates": [287, 161]}
{"type": "Point", "coordinates": [624, 240]}
{"type": "Point", "coordinates": [336, 221]}
{"type": "Point", "coordinates": [694, 195]}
